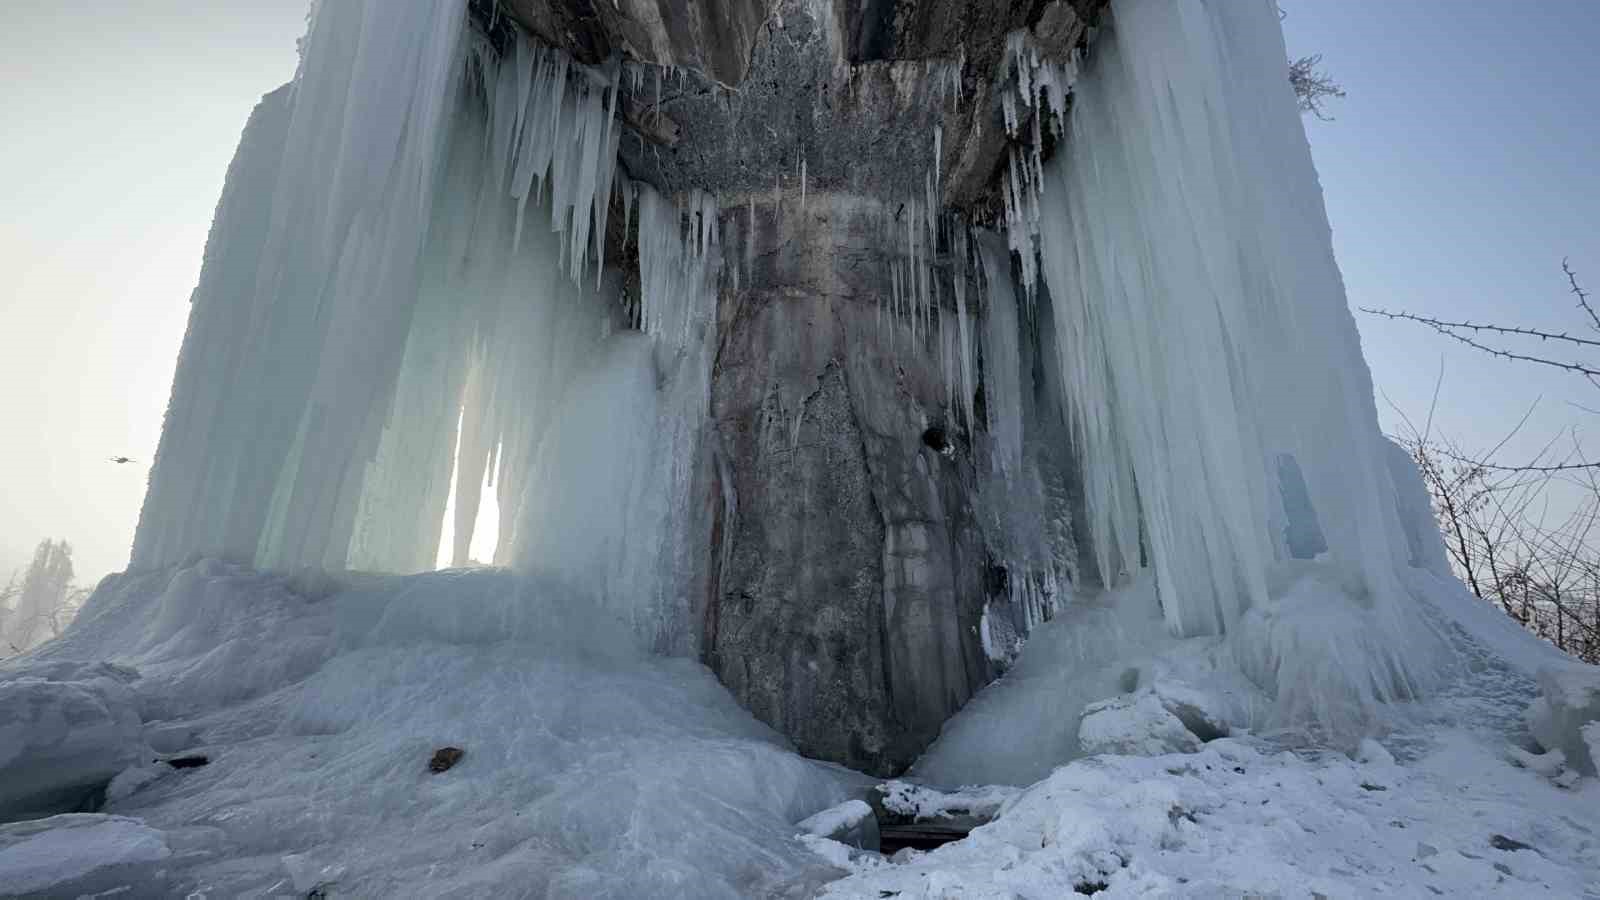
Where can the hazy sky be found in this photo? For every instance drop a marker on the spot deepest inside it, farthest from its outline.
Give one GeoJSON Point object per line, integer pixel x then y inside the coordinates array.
{"type": "Point", "coordinates": [119, 124]}
{"type": "Point", "coordinates": [1461, 169]}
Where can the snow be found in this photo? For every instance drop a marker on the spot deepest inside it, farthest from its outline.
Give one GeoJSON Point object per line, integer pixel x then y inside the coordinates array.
{"type": "Point", "coordinates": [1567, 714]}
{"type": "Point", "coordinates": [591, 768]}
{"type": "Point", "coordinates": [1237, 819]}
{"type": "Point", "coordinates": [924, 803]}
{"type": "Point", "coordinates": [55, 856]}
{"type": "Point", "coordinates": [63, 735]}
{"type": "Point", "coordinates": [1018, 729]}
{"type": "Point", "coordinates": [1137, 725]}
{"type": "Point", "coordinates": [835, 818]}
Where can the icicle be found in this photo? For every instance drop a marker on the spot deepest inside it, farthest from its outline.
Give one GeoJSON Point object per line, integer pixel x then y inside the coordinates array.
{"type": "Point", "coordinates": [1202, 331]}
{"type": "Point", "coordinates": [1002, 364]}
{"type": "Point", "coordinates": [968, 386]}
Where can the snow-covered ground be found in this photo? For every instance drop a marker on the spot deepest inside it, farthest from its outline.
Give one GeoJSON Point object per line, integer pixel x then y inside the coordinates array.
{"type": "Point", "coordinates": [1446, 801]}
{"type": "Point", "coordinates": [590, 769]}
{"type": "Point", "coordinates": [1236, 819]}
{"type": "Point", "coordinates": [594, 770]}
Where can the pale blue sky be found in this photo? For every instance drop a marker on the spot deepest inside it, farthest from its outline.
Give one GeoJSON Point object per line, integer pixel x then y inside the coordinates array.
{"type": "Point", "coordinates": [1463, 166]}
{"type": "Point", "coordinates": [1460, 170]}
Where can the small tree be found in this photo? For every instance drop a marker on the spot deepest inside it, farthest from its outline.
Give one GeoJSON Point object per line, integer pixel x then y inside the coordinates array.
{"type": "Point", "coordinates": [1312, 86]}
{"type": "Point", "coordinates": [42, 606]}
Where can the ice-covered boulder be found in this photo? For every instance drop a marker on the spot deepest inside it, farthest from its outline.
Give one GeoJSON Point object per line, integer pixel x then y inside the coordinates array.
{"type": "Point", "coordinates": [1137, 725]}
{"type": "Point", "coordinates": [63, 737]}
{"type": "Point", "coordinates": [1165, 717]}
{"type": "Point", "coordinates": [80, 854]}
{"type": "Point", "coordinates": [1565, 715]}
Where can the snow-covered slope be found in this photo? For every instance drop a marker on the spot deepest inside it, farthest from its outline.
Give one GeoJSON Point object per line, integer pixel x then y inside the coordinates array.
{"type": "Point", "coordinates": [591, 769]}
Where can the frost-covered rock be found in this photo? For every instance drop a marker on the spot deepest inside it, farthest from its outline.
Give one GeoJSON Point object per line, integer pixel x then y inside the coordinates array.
{"type": "Point", "coordinates": [81, 854]}
{"type": "Point", "coordinates": [62, 739]}
{"type": "Point", "coordinates": [1565, 716]}
{"type": "Point", "coordinates": [1137, 725]}
{"type": "Point", "coordinates": [919, 802]}
{"type": "Point", "coordinates": [851, 823]}
{"type": "Point", "coordinates": [1201, 713]}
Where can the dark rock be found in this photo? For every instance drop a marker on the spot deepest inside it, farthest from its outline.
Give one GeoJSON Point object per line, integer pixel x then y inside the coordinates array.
{"type": "Point", "coordinates": [712, 37]}
{"type": "Point", "coordinates": [1501, 842]}
{"type": "Point", "coordinates": [444, 758]}
{"type": "Point", "coordinates": [194, 761]}
{"type": "Point", "coordinates": [900, 828]}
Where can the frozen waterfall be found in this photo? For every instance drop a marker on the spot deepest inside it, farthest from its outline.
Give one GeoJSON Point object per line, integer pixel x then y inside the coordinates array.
{"type": "Point", "coordinates": [1203, 336]}
{"type": "Point", "coordinates": [406, 287]}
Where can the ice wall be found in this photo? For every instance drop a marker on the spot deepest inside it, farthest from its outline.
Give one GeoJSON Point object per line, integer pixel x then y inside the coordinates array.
{"type": "Point", "coordinates": [408, 224]}
{"type": "Point", "coordinates": [406, 281]}
{"type": "Point", "coordinates": [307, 294]}
{"type": "Point", "coordinates": [1203, 336]}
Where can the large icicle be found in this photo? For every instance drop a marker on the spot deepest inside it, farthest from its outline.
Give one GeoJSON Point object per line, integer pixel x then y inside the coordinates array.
{"type": "Point", "coordinates": [1203, 333]}
{"type": "Point", "coordinates": [372, 247]}
{"type": "Point", "coordinates": [1002, 358]}
{"type": "Point", "coordinates": [606, 504]}
{"type": "Point", "coordinates": [307, 298]}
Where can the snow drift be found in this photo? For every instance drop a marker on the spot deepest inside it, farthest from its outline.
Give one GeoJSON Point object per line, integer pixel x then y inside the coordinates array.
{"type": "Point", "coordinates": [592, 769]}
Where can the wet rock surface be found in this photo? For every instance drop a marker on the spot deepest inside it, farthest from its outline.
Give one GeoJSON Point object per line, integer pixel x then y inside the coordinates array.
{"type": "Point", "coordinates": [846, 613]}
{"type": "Point", "coordinates": [848, 562]}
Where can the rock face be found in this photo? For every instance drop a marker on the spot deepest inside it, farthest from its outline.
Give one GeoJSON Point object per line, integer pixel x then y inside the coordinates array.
{"type": "Point", "coordinates": [713, 37]}
{"type": "Point", "coordinates": [849, 562]}
{"type": "Point", "coordinates": [847, 609]}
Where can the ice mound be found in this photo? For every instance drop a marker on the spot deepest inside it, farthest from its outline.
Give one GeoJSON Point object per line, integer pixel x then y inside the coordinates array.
{"type": "Point", "coordinates": [592, 769]}
{"type": "Point", "coordinates": [62, 737]}
{"type": "Point", "coordinates": [1137, 725]}
{"type": "Point", "coordinates": [1112, 650]}
{"type": "Point", "coordinates": [79, 855]}
{"type": "Point", "coordinates": [1566, 717]}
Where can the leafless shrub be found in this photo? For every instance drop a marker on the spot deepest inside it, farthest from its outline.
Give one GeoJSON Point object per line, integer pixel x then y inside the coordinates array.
{"type": "Point", "coordinates": [1312, 86]}
{"type": "Point", "coordinates": [1504, 540]}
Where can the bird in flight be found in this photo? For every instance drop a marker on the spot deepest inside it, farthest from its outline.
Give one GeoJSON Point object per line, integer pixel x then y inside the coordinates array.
{"type": "Point", "coordinates": [121, 460]}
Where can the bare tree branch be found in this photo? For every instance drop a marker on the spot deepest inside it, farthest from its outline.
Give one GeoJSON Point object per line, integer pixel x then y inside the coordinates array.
{"type": "Point", "coordinates": [1440, 324]}
{"type": "Point", "coordinates": [1445, 329]}
{"type": "Point", "coordinates": [1313, 87]}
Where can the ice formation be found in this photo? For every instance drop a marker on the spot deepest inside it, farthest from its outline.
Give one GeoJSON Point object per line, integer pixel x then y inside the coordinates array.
{"type": "Point", "coordinates": [406, 282]}
{"type": "Point", "coordinates": [592, 768]}
{"type": "Point", "coordinates": [1202, 334]}
{"type": "Point", "coordinates": [406, 287]}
